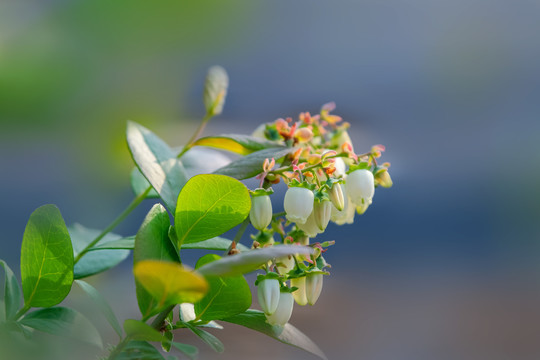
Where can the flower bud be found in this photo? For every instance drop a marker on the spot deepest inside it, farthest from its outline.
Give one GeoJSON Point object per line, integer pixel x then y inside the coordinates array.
{"type": "Point", "coordinates": [283, 311]}
{"type": "Point", "coordinates": [261, 211]}
{"type": "Point", "coordinates": [345, 216]}
{"type": "Point", "coordinates": [187, 312]}
{"type": "Point", "coordinates": [309, 227]}
{"type": "Point", "coordinates": [298, 204]}
{"type": "Point", "coordinates": [321, 213]}
{"type": "Point", "coordinates": [287, 264]}
{"type": "Point", "coordinates": [382, 177]}
{"type": "Point", "coordinates": [300, 294]}
{"type": "Point", "coordinates": [215, 90]}
{"type": "Point", "coordinates": [268, 295]}
{"type": "Point", "coordinates": [360, 187]}
{"type": "Point", "coordinates": [314, 283]}
{"type": "Point", "coordinates": [336, 196]}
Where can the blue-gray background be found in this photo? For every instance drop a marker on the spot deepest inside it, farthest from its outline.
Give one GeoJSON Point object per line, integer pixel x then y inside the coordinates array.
{"type": "Point", "coordinates": [444, 265]}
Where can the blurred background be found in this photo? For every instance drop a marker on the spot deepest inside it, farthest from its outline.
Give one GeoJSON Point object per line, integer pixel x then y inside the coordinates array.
{"type": "Point", "coordinates": [444, 265]}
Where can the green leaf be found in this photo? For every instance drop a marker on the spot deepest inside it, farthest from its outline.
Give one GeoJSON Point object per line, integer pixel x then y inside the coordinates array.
{"type": "Point", "coordinates": [250, 165]}
{"type": "Point", "coordinates": [190, 351]}
{"type": "Point", "coordinates": [46, 258]}
{"type": "Point", "coordinates": [137, 350]}
{"type": "Point", "coordinates": [157, 162]}
{"type": "Point", "coordinates": [138, 330]}
{"type": "Point", "coordinates": [127, 243]}
{"type": "Point", "coordinates": [102, 304]}
{"type": "Point", "coordinates": [96, 261]}
{"type": "Point", "coordinates": [226, 297]}
{"type": "Point", "coordinates": [65, 322]}
{"type": "Point", "coordinates": [239, 144]}
{"type": "Point", "coordinates": [250, 260]}
{"type": "Point", "coordinates": [152, 243]}
{"type": "Point", "coordinates": [169, 283]}
{"type": "Point", "coordinates": [208, 338]}
{"type": "Point", "coordinates": [12, 292]}
{"type": "Point", "coordinates": [208, 206]}
{"type": "Point", "coordinates": [166, 342]}
{"type": "Point", "coordinates": [139, 184]}
{"type": "Point", "coordinates": [255, 320]}
{"type": "Point", "coordinates": [216, 243]}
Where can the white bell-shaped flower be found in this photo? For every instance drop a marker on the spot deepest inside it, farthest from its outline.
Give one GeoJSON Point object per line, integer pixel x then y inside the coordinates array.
{"type": "Point", "coordinates": [298, 204]}
{"type": "Point", "coordinates": [321, 213]}
{"type": "Point", "coordinates": [300, 294]}
{"type": "Point", "coordinates": [268, 293]}
{"type": "Point", "coordinates": [287, 263]}
{"type": "Point", "coordinates": [310, 226]}
{"type": "Point", "coordinates": [261, 212]}
{"type": "Point", "coordinates": [336, 196]}
{"type": "Point", "coordinates": [284, 310]}
{"type": "Point", "coordinates": [314, 283]}
{"type": "Point", "coordinates": [360, 187]}
{"type": "Point", "coordinates": [340, 166]}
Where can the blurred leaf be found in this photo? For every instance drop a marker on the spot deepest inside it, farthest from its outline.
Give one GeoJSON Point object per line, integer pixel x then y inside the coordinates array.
{"type": "Point", "coordinates": [46, 258]}
{"type": "Point", "coordinates": [157, 162]}
{"type": "Point", "coordinates": [250, 260]}
{"type": "Point", "coordinates": [152, 243]}
{"type": "Point", "coordinates": [239, 144]}
{"type": "Point", "coordinates": [215, 90]}
{"type": "Point", "coordinates": [255, 320]}
{"type": "Point", "coordinates": [169, 283]}
{"type": "Point", "coordinates": [208, 338]}
{"type": "Point", "coordinates": [216, 243]}
{"type": "Point", "coordinates": [138, 330]}
{"type": "Point", "coordinates": [65, 322]}
{"type": "Point", "coordinates": [208, 206]}
{"type": "Point", "coordinates": [226, 296]}
{"type": "Point", "coordinates": [127, 243]}
{"type": "Point", "coordinates": [96, 261]}
{"type": "Point", "coordinates": [102, 304]}
{"type": "Point", "coordinates": [137, 350]}
{"type": "Point", "coordinates": [250, 165]}
{"type": "Point", "coordinates": [12, 292]}
{"type": "Point", "coordinates": [189, 350]}
{"type": "Point", "coordinates": [139, 184]}
{"type": "Point", "coordinates": [166, 342]}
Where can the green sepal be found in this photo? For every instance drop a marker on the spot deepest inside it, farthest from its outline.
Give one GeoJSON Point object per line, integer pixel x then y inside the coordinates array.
{"type": "Point", "coordinates": [286, 289]}
{"type": "Point", "coordinates": [332, 181]}
{"type": "Point", "coordinates": [359, 166]}
{"type": "Point", "coordinates": [267, 276]}
{"type": "Point", "coordinates": [263, 237]}
{"type": "Point", "coordinates": [261, 192]}
{"type": "Point", "coordinates": [303, 184]}
{"type": "Point", "coordinates": [321, 194]}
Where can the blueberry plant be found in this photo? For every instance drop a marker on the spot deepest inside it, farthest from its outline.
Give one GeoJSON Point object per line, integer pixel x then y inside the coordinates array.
{"type": "Point", "coordinates": [326, 181]}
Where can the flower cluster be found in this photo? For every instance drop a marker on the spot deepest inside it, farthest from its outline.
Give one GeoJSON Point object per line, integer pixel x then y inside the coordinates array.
{"type": "Point", "coordinates": [327, 181]}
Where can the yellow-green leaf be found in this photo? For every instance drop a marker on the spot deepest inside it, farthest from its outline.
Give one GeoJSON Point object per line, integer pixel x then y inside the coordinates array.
{"type": "Point", "coordinates": [239, 144]}
{"type": "Point", "coordinates": [170, 283]}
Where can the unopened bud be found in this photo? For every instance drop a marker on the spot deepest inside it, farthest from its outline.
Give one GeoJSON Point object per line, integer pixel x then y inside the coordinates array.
{"type": "Point", "coordinates": [300, 294]}
{"type": "Point", "coordinates": [382, 177]}
{"type": "Point", "coordinates": [268, 293]}
{"type": "Point", "coordinates": [314, 283]}
{"type": "Point", "coordinates": [321, 212]}
{"type": "Point", "coordinates": [261, 212]}
{"type": "Point", "coordinates": [283, 312]}
{"type": "Point", "coordinates": [215, 90]}
{"type": "Point", "coordinates": [336, 196]}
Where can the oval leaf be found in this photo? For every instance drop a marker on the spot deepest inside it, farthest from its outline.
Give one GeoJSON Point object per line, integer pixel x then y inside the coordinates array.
{"type": "Point", "coordinates": [226, 297]}
{"type": "Point", "coordinates": [255, 320]}
{"type": "Point", "coordinates": [216, 243]}
{"type": "Point", "coordinates": [65, 322]}
{"type": "Point", "coordinates": [208, 338]}
{"type": "Point", "coordinates": [139, 184]}
{"type": "Point", "coordinates": [46, 258]}
{"type": "Point", "coordinates": [189, 350]}
{"type": "Point", "coordinates": [169, 283]}
{"type": "Point", "coordinates": [239, 144]}
{"type": "Point", "coordinates": [96, 261]}
{"type": "Point", "coordinates": [250, 165]}
{"type": "Point", "coordinates": [137, 350]}
{"type": "Point", "coordinates": [127, 243]}
{"type": "Point", "coordinates": [157, 162]}
{"type": "Point", "coordinates": [12, 292]}
{"type": "Point", "coordinates": [250, 260]}
{"type": "Point", "coordinates": [210, 205]}
{"type": "Point", "coordinates": [152, 243]}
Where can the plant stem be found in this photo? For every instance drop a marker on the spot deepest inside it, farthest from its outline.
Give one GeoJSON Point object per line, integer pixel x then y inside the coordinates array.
{"type": "Point", "coordinates": [21, 312]}
{"type": "Point", "coordinates": [157, 323]}
{"type": "Point", "coordinates": [115, 223]}
{"type": "Point", "coordinates": [239, 234]}
{"type": "Point", "coordinates": [194, 137]}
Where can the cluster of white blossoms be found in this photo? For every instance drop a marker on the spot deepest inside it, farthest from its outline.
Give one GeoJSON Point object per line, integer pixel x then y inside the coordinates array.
{"type": "Point", "coordinates": [327, 181]}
